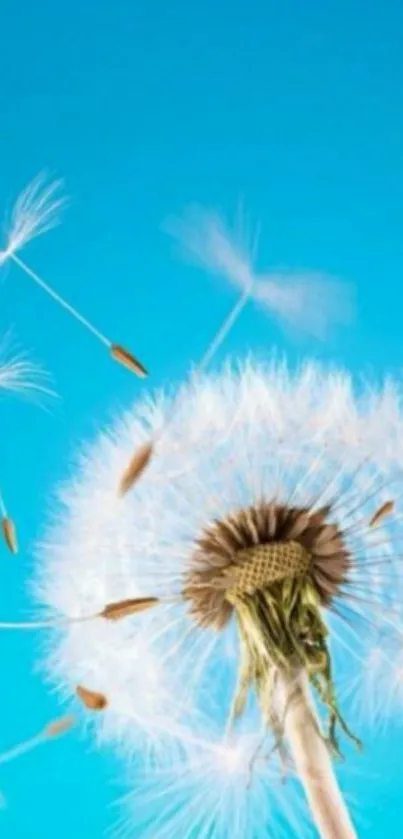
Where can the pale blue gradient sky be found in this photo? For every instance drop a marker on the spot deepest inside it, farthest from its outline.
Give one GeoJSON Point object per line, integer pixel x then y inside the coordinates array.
{"type": "Point", "coordinates": [294, 108]}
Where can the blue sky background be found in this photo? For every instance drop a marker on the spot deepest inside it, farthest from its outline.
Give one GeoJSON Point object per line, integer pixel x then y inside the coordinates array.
{"type": "Point", "coordinates": [294, 108]}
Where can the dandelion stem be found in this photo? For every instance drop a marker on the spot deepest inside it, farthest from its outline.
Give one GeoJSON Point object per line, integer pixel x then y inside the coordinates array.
{"type": "Point", "coordinates": [60, 300]}
{"type": "Point", "coordinates": [313, 762]}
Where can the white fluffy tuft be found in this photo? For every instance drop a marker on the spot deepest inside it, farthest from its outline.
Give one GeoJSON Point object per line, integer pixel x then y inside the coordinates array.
{"type": "Point", "coordinates": [35, 211]}
{"type": "Point", "coordinates": [308, 301]}
{"type": "Point", "coordinates": [228, 790]}
{"type": "Point", "coordinates": [20, 375]}
{"type": "Point", "coordinates": [303, 437]}
{"type": "Point", "coordinates": [235, 436]}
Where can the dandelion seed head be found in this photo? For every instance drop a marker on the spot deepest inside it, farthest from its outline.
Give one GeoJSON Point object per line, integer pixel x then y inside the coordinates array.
{"type": "Point", "coordinates": [246, 433]}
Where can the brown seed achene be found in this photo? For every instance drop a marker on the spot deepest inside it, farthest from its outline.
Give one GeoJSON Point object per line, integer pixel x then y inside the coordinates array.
{"type": "Point", "coordinates": [384, 510]}
{"type": "Point", "coordinates": [91, 699]}
{"type": "Point", "coordinates": [59, 726]}
{"type": "Point", "coordinates": [9, 534]}
{"type": "Point", "coordinates": [135, 467]}
{"type": "Point", "coordinates": [125, 608]}
{"type": "Point", "coordinates": [128, 360]}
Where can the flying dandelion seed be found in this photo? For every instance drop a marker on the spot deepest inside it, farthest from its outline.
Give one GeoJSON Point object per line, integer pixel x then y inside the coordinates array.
{"type": "Point", "coordinates": [310, 302]}
{"type": "Point", "coordinates": [265, 530]}
{"type": "Point", "coordinates": [20, 376]}
{"type": "Point", "coordinates": [36, 211]}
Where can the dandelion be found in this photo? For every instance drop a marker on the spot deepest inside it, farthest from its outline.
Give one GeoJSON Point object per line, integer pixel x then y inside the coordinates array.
{"type": "Point", "coordinates": [217, 591]}
{"type": "Point", "coordinates": [36, 211]}
{"type": "Point", "coordinates": [263, 539]}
